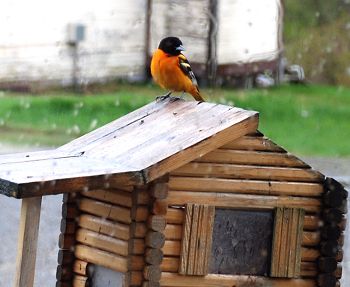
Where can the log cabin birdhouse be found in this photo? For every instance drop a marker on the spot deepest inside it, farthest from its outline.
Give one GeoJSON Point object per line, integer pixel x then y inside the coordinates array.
{"type": "Point", "coordinates": [180, 193]}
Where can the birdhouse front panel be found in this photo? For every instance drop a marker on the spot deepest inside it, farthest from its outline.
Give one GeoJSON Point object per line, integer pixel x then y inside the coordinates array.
{"type": "Point", "coordinates": [267, 221]}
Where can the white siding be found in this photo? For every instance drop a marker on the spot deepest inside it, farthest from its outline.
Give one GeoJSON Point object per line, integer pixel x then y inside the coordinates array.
{"type": "Point", "coordinates": [248, 30]}
{"type": "Point", "coordinates": [33, 35]}
{"type": "Point", "coordinates": [187, 20]}
{"type": "Point", "coordinates": [33, 39]}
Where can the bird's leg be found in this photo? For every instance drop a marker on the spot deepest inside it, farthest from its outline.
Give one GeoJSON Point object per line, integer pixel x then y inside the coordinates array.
{"type": "Point", "coordinates": [162, 98]}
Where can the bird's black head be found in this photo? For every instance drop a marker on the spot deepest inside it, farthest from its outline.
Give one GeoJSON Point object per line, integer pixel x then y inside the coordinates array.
{"type": "Point", "coordinates": [171, 45]}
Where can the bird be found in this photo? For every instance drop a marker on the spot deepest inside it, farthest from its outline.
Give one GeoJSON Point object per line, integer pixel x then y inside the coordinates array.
{"type": "Point", "coordinates": [171, 70]}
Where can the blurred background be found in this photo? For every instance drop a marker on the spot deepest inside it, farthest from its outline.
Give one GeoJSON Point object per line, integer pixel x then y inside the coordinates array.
{"type": "Point", "coordinates": [68, 67]}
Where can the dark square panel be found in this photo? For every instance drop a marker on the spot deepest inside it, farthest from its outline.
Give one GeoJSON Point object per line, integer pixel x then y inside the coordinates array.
{"type": "Point", "coordinates": [241, 242]}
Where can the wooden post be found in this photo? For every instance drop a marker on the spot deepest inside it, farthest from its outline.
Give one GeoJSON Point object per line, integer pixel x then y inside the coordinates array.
{"type": "Point", "coordinates": [27, 241]}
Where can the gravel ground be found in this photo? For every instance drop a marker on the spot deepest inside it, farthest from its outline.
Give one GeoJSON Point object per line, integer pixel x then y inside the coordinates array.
{"type": "Point", "coordinates": [50, 222]}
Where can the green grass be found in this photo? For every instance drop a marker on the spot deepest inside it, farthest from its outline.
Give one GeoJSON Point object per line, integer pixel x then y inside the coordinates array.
{"type": "Point", "coordinates": [306, 120]}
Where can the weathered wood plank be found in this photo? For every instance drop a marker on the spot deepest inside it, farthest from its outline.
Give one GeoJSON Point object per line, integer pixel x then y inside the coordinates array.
{"type": "Point", "coordinates": [197, 237]}
{"type": "Point", "coordinates": [170, 264]}
{"type": "Point", "coordinates": [175, 215]}
{"type": "Point", "coordinates": [105, 210]}
{"type": "Point", "coordinates": [27, 242]}
{"type": "Point", "coordinates": [103, 258]}
{"type": "Point", "coordinates": [242, 127]}
{"type": "Point", "coordinates": [239, 200]}
{"type": "Point", "coordinates": [103, 242]}
{"type": "Point", "coordinates": [245, 186]}
{"type": "Point", "coordinates": [32, 187]}
{"type": "Point", "coordinates": [248, 172]}
{"type": "Point", "coordinates": [254, 143]}
{"type": "Point", "coordinates": [286, 246]}
{"type": "Point", "coordinates": [34, 156]}
{"type": "Point", "coordinates": [81, 267]}
{"type": "Point", "coordinates": [172, 248]}
{"type": "Point", "coordinates": [173, 231]}
{"type": "Point", "coordinates": [116, 197]}
{"type": "Point", "coordinates": [258, 158]}
{"type": "Point", "coordinates": [104, 226]}
{"type": "Point", "coordinates": [112, 156]}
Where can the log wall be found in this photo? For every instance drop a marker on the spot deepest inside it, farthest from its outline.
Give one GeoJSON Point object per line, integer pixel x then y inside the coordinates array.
{"type": "Point", "coordinates": [103, 235]}
{"type": "Point", "coordinates": [251, 173]}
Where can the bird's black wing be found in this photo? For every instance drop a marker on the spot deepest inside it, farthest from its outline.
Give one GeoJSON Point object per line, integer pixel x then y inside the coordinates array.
{"type": "Point", "coordinates": [186, 69]}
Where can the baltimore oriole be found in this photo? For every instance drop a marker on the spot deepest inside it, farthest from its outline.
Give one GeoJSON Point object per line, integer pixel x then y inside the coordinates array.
{"type": "Point", "coordinates": [171, 70]}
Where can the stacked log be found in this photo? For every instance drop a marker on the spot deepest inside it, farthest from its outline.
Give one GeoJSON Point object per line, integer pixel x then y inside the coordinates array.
{"type": "Point", "coordinates": [332, 238]}
{"type": "Point", "coordinates": [103, 233]}
{"type": "Point", "coordinates": [70, 213]}
{"type": "Point", "coordinates": [137, 234]}
{"type": "Point", "coordinates": [155, 237]}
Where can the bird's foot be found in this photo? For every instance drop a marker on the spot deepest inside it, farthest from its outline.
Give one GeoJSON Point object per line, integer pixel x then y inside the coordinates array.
{"type": "Point", "coordinates": [162, 98]}
{"type": "Point", "coordinates": [174, 99]}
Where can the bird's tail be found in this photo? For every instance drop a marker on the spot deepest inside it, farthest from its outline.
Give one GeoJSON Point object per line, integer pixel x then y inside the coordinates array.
{"type": "Point", "coordinates": [196, 94]}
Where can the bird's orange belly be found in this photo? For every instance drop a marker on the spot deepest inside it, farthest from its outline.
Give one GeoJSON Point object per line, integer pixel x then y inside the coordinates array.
{"type": "Point", "coordinates": [169, 76]}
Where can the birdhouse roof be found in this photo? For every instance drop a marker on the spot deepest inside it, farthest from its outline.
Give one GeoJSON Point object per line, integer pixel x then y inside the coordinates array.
{"type": "Point", "coordinates": [134, 149]}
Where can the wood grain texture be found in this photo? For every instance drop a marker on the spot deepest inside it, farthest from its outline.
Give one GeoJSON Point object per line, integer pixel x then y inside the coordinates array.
{"type": "Point", "coordinates": [105, 210]}
{"type": "Point", "coordinates": [114, 150]}
{"type": "Point", "coordinates": [27, 242]}
{"type": "Point", "coordinates": [80, 281]}
{"type": "Point", "coordinates": [257, 158]}
{"type": "Point", "coordinates": [117, 197]}
{"type": "Point", "coordinates": [102, 242]}
{"type": "Point", "coordinates": [81, 267]}
{"type": "Point", "coordinates": [100, 257]}
{"type": "Point", "coordinates": [104, 226]}
{"type": "Point", "coordinates": [259, 187]}
{"type": "Point", "coordinates": [286, 246]}
{"type": "Point", "coordinates": [248, 172]}
{"type": "Point", "coordinates": [246, 200]}
{"type": "Point", "coordinates": [196, 240]}
{"type": "Point", "coordinates": [253, 143]}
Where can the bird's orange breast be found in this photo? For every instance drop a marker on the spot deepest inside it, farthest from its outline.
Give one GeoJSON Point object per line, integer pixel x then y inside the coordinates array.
{"type": "Point", "coordinates": [166, 72]}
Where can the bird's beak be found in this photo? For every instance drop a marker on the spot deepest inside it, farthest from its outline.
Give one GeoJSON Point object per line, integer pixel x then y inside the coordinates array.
{"type": "Point", "coordinates": [180, 48]}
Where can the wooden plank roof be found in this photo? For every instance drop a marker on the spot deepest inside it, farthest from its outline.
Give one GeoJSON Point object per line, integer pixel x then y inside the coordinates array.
{"type": "Point", "coordinates": [134, 149]}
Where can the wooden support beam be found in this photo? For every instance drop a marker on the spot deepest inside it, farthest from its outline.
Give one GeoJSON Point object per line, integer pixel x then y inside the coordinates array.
{"type": "Point", "coordinates": [27, 241]}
